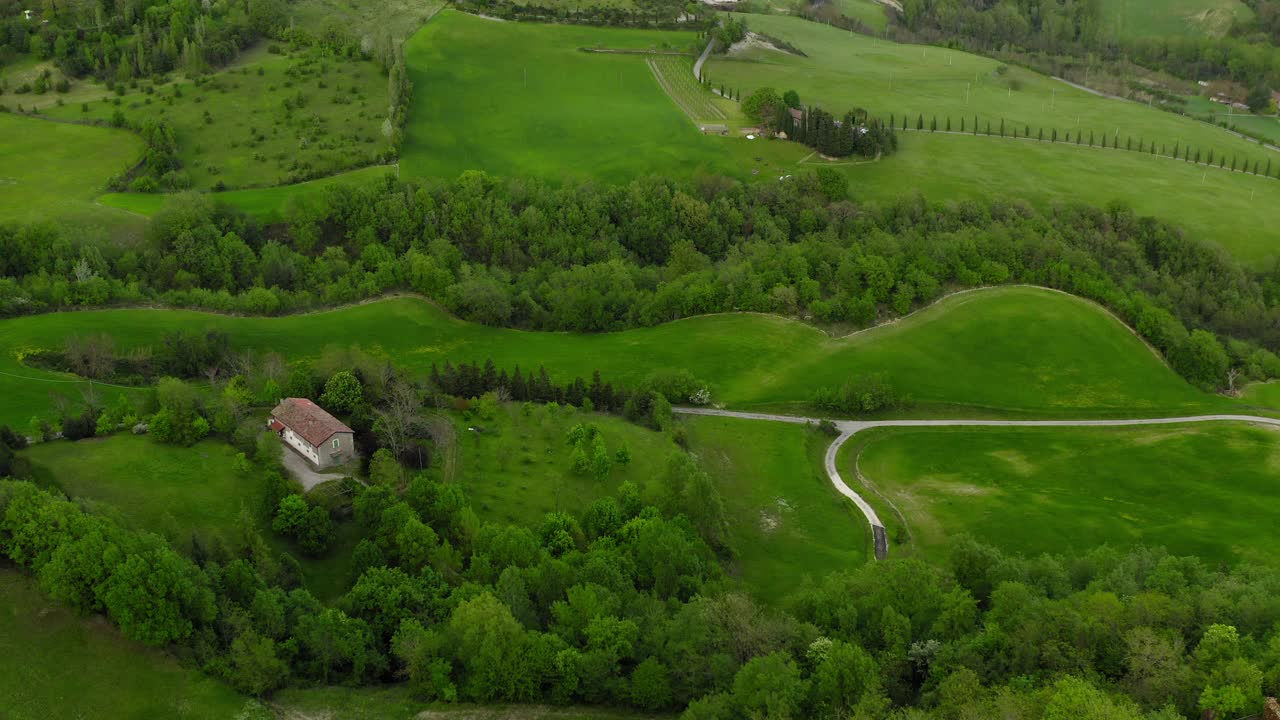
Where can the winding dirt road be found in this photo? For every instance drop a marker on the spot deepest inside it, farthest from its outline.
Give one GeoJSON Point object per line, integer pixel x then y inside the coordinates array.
{"type": "Point", "coordinates": [849, 428]}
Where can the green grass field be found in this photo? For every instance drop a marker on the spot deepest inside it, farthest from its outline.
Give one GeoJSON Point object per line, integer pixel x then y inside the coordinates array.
{"type": "Point", "coordinates": [1018, 351]}
{"type": "Point", "coordinates": [868, 12]}
{"type": "Point", "coordinates": [845, 70]}
{"type": "Point", "coordinates": [173, 491]}
{"type": "Point", "coordinates": [233, 127]}
{"type": "Point", "coordinates": [51, 172]}
{"type": "Point", "coordinates": [522, 99]}
{"type": "Point", "coordinates": [517, 467]}
{"type": "Point", "coordinates": [1164, 18]}
{"type": "Point", "coordinates": [179, 493]}
{"type": "Point", "coordinates": [786, 523]}
{"type": "Point", "coordinates": [56, 666]}
{"type": "Point", "coordinates": [266, 204]}
{"type": "Point", "coordinates": [1235, 210]}
{"type": "Point", "coordinates": [1204, 490]}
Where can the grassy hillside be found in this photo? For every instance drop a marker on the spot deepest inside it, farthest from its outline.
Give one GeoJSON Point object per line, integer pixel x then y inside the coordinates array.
{"type": "Point", "coordinates": [173, 491]}
{"type": "Point", "coordinates": [1164, 18]}
{"type": "Point", "coordinates": [180, 493]}
{"type": "Point", "coordinates": [844, 70]}
{"type": "Point", "coordinates": [84, 668]}
{"type": "Point", "coordinates": [1203, 490]}
{"type": "Point", "coordinates": [786, 523]}
{"type": "Point", "coordinates": [1239, 212]}
{"type": "Point", "coordinates": [51, 171]}
{"type": "Point", "coordinates": [272, 120]}
{"type": "Point", "coordinates": [517, 466]}
{"type": "Point", "coordinates": [1006, 350]}
{"type": "Point", "coordinates": [519, 98]}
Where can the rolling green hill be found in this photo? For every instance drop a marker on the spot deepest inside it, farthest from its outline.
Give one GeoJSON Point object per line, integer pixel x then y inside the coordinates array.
{"type": "Point", "coordinates": [844, 71]}
{"type": "Point", "coordinates": [1009, 350]}
{"type": "Point", "coordinates": [56, 665]}
{"type": "Point", "coordinates": [51, 172]}
{"type": "Point", "coordinates": [1201, 490]}
{"type": "Point", "coordinates": [521, 98]}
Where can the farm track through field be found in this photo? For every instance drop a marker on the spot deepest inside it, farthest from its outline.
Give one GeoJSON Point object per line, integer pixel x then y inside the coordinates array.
{"type": "Point", "coordinates": [690, 99]}
{"type": "Point", "coordinates": [849, 428]}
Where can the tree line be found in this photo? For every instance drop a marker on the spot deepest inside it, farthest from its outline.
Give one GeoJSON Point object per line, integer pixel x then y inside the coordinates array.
{"type": "Point", "coordinates": [626, 605]}
{"type": "Point", "coordinates": [591, 258]}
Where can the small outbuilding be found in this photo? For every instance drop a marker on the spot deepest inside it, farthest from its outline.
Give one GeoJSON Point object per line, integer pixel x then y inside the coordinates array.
{"type": "Point", "coordinates": [312, 432]}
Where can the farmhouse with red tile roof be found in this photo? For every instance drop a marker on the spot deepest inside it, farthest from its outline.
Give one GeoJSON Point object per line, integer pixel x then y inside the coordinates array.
{"type": "Point", "coordinates": [313, 433]}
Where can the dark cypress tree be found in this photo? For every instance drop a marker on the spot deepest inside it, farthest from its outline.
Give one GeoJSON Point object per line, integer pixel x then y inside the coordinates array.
{"type": "Point", "coordinates": [1053, 136]}
{"type": "Point", "coordinates": [988, 128]}
{"type": "Point", "coordinates": [920, 122]}
{"type": "Point", "coordinates": [1001, 127]}
{"type": "Point", "coordinates": [1268, 167]}
{"type": "Point", "coordinates": [1128, 143]}
{"type": "Point", "coordinates": [975, 124]}
{"type": "Point", "coordinates": [961, 123]}
{"type": "Point", "coordinates": [1041, 138]}
{"type": "Point", "coordinates": [519, 389]}
{"type": "Point", "coordinates": [489, 377]}
{"type": "Point", "coordinates": [934, 127]}
{"type": "Point", "coordinates": [949, 123]}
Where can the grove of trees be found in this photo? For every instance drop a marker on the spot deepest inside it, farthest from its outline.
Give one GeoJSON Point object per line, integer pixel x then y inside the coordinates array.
{"type": "Point", "coordinates": [592, 258]}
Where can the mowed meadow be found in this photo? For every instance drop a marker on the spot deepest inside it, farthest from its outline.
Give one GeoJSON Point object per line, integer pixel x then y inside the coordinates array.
{"type": "Point", "coordinates": [1005, 351]}
{"type": "Point", "coordinates": [526, 99]}
{"type": "Point", "coordinates": [845, 71]}
{"type": "Point", "coordinates": [52, 171]}
{"type": "Point", "coordinates": [1200, 489]}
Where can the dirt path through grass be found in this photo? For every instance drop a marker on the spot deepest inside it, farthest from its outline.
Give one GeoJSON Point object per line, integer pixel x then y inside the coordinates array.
{"type": "Point", "coordinates": [849, 428]}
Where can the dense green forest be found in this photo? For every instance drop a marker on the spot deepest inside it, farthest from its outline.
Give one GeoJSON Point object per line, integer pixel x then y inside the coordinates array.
{"type": "Point", "coordinates": [627, 604]}
{"type": "Point", "coordinates": [525, 254]}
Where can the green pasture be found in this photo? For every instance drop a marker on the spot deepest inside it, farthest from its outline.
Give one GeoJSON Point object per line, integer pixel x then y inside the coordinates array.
{"type": "Point", "coordinates": [1004, 351]}
{"type": "Point", "coordinates": [56, 666]}
{"type": "Point", "coordinates": [786, 523]}
{"type": "Point", "coordinates": [845, 70]}
{"type": "Point", "coordinates": [176, 492]}
{"type": "Point", "coordinates": [868, 12]}
{"type": "Point", "coordinates": [181, 494]}
{"type": "Point", "coordinates": [51, 172]}
{"type": "Point", "coordinates": [233, 127]}
{"type": "Point", "coordinates": [266, 204]}
{"type": "Point", "coordinates": [1165, 18]}
{"type": "Point", "coordinates": [1263, 126]}
{"type": "Point", "coordinates": [523, 99]}
{"type": "Point", "coordinates": [516, 467]}
{"type": "Point", "coordinates": [1238, 211]}
{"type": "Point", "coordinates": [1202, 490]}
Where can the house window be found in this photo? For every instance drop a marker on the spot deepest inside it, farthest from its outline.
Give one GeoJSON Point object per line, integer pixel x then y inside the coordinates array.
{"type": "Point", "coordinates": [335, 443]}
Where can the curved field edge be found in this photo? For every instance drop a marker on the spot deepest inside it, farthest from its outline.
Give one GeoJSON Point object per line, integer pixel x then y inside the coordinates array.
{"type": "Point", "coordinates": [1196, 489]}
{"type": "Point", "coordinates": [51, 172]}
{"type": "Point", "coordinates": [84, 666]}
{"type": "Point", "coordinates": [996, 352]}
